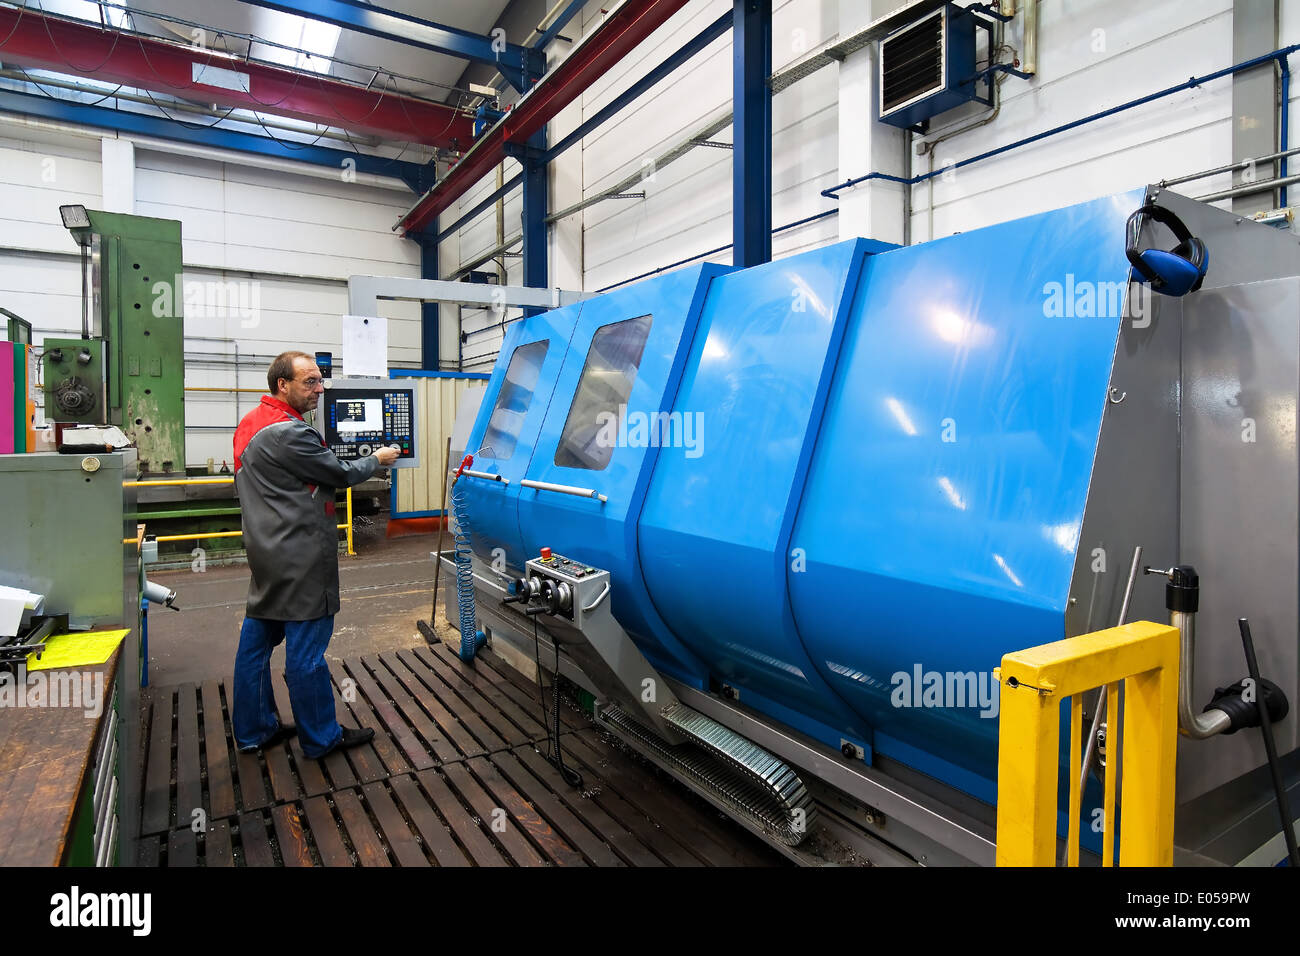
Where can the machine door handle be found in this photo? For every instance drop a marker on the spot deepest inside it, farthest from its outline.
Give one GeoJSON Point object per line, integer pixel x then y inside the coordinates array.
{"type": "Point", "coordinates": [563, 489]}
{"type": "Point", "coordinates": [484, 474]}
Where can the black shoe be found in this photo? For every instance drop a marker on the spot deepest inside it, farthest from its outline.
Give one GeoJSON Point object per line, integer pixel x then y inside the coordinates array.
{"type": "Point", "coordinates": [352, 737]}
{"type": "Point", "coordinates": [355, 737]}
{"type": "Point", "coordinates": [283, 732]}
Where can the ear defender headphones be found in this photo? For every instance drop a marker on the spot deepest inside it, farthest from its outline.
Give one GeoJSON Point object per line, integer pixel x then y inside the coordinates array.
{"type": "Point", "coordinates": [1177, 272]}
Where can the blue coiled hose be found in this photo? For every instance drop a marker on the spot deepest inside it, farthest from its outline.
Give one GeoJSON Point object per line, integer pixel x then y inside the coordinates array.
{"type": "Point", "coordinates": [471, 638]}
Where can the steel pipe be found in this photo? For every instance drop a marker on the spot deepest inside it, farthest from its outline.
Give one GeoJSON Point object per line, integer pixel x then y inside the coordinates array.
{"type": "Point", "coordinates": [1248, 189]}
{"type": "Point", "coordinates": [1029, 62]}
{"type": "Point", "coordinates": [563, 489]}
{"type": "Point", "coordinates": [1230, 168]}
{"type": "Point", "coordinates": [1194, 725]}
{"type": "Point", "coordinates": [484, 474]}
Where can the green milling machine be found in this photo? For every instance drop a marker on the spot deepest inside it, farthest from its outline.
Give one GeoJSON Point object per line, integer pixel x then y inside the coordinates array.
{"type": "Point", "coordinates": [127, 369]}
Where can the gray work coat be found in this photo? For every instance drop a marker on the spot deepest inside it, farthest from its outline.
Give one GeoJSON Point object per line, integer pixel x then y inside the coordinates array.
{"type": "Point", "coordinates": [286, 479]}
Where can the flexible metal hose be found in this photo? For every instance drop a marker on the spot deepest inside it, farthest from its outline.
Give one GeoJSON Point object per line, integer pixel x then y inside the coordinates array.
{"type": "Point", "coordinates": [471, 638]}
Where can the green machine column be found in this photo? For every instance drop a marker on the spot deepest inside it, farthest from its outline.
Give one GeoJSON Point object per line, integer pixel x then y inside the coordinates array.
{"type": "Point", "coordinates": [137, 312]}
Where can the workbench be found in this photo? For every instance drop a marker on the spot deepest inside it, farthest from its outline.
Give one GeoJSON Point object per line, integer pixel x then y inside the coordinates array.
{"type": "Point", "coordinates": [60, 799]}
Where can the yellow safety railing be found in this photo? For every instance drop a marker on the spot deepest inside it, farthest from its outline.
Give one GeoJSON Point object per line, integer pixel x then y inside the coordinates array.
{"type": "Point", "coordinates": [163, 482]}
{"type": "Point", "coordinates": [231, 534]}
{"type": "Point", "coordinates": [221, 534]}
{"type": "Point", "coordinates": [1142, 655]}
{"type": "Point", "coordinates": [193, 537]}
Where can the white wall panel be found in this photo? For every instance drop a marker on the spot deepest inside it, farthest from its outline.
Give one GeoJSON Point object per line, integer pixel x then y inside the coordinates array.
{"type": "Point", "coordinates": [44, 290]}
{"type": "Point", "coordinates": [1092, 56]}
{"type": "Point", "coordinates": [37, 175]}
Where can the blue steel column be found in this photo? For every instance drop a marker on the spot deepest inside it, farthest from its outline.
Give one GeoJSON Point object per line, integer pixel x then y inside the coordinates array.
{"type": "Point", "coordinates": [429, 325]}
{"type": "Point", "coordinates": [751, 170]}
{"type": "Point", "coordinates": [535, 202]}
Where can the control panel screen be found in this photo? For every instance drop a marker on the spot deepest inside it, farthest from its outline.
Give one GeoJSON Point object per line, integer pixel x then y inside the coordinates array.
{"type": "Point", "coordinates": [358, 416]}
{"type": "Point", "coordinates": [362, 415]}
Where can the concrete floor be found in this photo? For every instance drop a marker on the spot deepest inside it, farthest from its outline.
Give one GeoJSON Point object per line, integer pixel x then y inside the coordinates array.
{"type": "Point", "coordinates": [383, 591]}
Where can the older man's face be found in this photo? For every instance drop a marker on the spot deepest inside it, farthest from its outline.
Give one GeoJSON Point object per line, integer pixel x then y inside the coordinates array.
{"type": "Point", "coordinates": [304, 391]}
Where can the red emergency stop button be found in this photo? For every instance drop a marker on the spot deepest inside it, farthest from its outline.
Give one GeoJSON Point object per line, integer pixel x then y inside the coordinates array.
{"type": "Point", "coordinates": [546, 554]}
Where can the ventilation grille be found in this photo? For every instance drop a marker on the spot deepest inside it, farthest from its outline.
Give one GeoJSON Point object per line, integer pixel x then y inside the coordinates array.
{"type": "Point", "coordinates": [911, 62]}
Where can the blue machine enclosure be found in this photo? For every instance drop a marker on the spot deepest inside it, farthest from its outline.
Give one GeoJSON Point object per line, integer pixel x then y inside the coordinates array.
{"type": "Point", "coordinates": [942, 511]}
{"type": "Point", "coordinates": [716, 526]}
{"type": "Point", "coordinates": [890, 460]}
{"type": "Point", "coordinates": [605, 533]}
{"type": "Point", "coordinates": [519, 520]}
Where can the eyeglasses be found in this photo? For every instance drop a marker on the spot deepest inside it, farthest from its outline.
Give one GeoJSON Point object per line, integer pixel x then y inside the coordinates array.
{"type": "Point", "coordinates": [311, 382]}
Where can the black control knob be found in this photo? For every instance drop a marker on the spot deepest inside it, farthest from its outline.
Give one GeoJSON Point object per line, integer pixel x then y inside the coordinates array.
{"type": "Point", "coordinates": [74, 398]}
{"type": "Point", "coordinates": [550, 596]}
{"type": "Point", "coordinates": [518, 592]}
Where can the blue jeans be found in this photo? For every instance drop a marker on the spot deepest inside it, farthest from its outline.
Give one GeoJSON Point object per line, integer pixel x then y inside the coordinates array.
{"type": "Point", "coordinates": [252, 711]}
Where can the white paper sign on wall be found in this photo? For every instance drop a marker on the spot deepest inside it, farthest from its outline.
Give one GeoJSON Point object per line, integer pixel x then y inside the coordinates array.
{"type": "Point", "coordinates": [365, 346]}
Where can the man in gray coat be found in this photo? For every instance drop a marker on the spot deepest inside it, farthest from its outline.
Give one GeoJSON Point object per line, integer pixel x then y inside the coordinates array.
{"type": "Point", "coordinates": [286, 479]}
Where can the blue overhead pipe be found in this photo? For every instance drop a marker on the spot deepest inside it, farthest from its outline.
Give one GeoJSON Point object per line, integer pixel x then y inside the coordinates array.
{"type": "Point", "coordinates": [491, 198]}
{"type": "Point", "coordinates": [1279, 55]}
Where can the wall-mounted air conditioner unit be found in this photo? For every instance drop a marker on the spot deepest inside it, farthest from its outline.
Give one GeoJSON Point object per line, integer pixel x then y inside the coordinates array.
{"type": "Point", "coordinates": [928, 67]}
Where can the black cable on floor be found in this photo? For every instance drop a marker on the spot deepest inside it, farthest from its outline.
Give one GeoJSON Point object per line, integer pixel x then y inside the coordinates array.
{"type": "Point", "coordinates": [571, 776]}
{"type": "Point", "coordinates": [553, 752]}
{"type": "Point", "coordinates": [541, 691]}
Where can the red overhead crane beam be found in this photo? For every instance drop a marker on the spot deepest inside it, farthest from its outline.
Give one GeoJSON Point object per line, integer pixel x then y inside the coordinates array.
{"type": "Point", "coordinates": [621, 32]}
{"type": "Point", "coordinates": [32, 39]}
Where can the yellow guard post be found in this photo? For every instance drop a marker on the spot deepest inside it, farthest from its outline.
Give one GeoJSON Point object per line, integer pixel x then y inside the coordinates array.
{"type": "Point", "coordinates": [1033, 683]}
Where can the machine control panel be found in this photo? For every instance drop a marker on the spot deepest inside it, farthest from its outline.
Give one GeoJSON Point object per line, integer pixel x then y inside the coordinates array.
{"type": "Point", "coordinates": [563, 567]}
{"type": "Point", "coordinates": [358, 416]}
{"type": "Point", "coordinates": [559, 586]}
{"type": "Point", "coordinates": [76, 381]}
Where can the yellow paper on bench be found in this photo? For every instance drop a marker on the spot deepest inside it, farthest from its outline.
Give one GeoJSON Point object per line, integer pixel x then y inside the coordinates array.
{"type": "Point", "coordinates": [76, 650]}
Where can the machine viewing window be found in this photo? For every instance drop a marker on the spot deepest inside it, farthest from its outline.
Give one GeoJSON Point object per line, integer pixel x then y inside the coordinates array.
{"type": "Point", "coordinates": [513, 400]}
{"type": "Point", "coordinates": [590, 431]}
